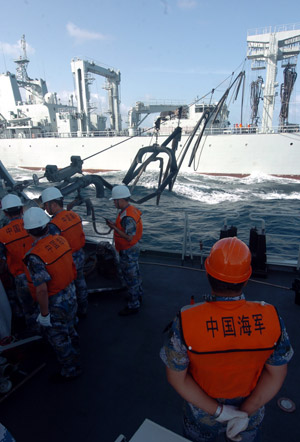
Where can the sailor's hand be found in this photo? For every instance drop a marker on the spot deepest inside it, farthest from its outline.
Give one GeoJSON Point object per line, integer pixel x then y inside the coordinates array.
{"type": "Point", "coordinates": [110, 223]}
{"type": "Point", "coordinates": [236, 426]}
{"type": "Point", "coordinates": [229, 412]}
{"type": "Point", "coordinates": [44, 320]}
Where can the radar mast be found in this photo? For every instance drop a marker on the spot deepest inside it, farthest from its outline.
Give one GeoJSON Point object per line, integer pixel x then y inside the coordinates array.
{"type": "Point", "coordinates": [22, 62]}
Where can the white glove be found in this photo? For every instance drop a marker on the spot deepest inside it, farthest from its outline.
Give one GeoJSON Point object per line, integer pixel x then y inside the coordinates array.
{"type": "Point", "coordinates": [236, 426]}
{"type": "Point", "coordinates": [229, 412]}
{"type": "Point", "coordinates": [44, 320]}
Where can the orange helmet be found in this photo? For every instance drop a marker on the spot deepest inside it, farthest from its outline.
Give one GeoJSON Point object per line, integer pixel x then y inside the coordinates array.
{"type": "Point", "coordinates": [229, 261]}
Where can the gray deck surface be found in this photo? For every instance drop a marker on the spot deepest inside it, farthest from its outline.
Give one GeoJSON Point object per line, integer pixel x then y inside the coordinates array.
{"type": "Point", "coordinates": [124, 379]}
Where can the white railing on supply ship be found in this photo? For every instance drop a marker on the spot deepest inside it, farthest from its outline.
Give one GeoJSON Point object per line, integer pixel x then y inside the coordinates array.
{"type": "Point", "coordinates": [201, 247]}
{"type": "Point", "coordinates": [32, 135]}
{"type": "Point", "coordinates": [236, 130]}
{"type": "Point", "coordinates": [163, 132]}
{"type": "Point", "coordinates": [269, 29]}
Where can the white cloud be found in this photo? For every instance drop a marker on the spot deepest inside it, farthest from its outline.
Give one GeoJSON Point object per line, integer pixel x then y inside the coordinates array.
{"type": "Point", "coordinates": [99, 102]}
{"type": "Point", "coordinates": [15, 50]}
{"type": "Point", "coordinates": [65, 96]}
{"type": "Point", "coordinates": [187, 4]}
{"type": "Point", "coordinates": [99, 98]}
{"type": "Point", "coordinates": [82, 35]}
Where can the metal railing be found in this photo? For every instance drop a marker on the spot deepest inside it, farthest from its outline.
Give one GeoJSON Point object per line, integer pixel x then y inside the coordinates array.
{"type": "Point", "coordinates": [270, 29]}
{"type": "Point", "coordinates": [30, 134]}
{"type": "Point", "coordinates": [276, 255]}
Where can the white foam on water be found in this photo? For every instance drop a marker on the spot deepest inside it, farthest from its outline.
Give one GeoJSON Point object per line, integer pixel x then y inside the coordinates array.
{"type": "Point", "coordinates": [278, 196]}
{"type": "Point", "coordinates": [231, 189]}
{"type": "Point", "coordinates": [212, 197]}
{"type": "Point", "coordinates": [258, 177]}
{"type": "Point", "coordinates": [206, 189]}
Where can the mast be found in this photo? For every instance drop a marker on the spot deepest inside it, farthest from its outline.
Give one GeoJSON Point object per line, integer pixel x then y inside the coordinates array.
{"type": "Point", "coordinates": [266, 47]}
{"type": "Point", "coordinates": [22, 62]}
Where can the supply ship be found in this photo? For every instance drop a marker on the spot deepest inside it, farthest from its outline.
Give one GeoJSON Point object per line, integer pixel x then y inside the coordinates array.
{"type": "Point", "coordinates": [38, 129]}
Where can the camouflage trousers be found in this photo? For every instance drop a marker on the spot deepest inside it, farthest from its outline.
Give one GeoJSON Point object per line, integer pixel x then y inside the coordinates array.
{"type": "Point", "coordinates": [81, 292]}
{"type": "Point", "coordinates": [199, 426]}
{"type": "Point", "coordinates": [129, 265]}
{"type": "Point", "coordinates": [15, 305]}
{"type": "Point", "coordinates": [80, 283]}
{"type": "Point", "coordinates": [29, 307]}
{"type": "Point", "coordinates": [62, 336]}
{"type": "Point", "coordinates": [5, 435]}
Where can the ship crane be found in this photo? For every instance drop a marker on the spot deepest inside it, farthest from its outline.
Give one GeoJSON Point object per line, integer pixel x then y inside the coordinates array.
{"type": "Point", "coordinates": [80, 70]}
{"type": "Point", "coordinates": [265, 48]}
{"type": "Point", "coordinates": [135, 113]}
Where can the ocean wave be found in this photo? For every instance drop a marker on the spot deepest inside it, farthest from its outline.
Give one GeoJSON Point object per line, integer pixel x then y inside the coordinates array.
{"type": "Point", "coordinates": [209, 197]}
{"type": "Point", "coordinates": [258, 178]}
{"type": "Point", "coordinates": [278, 196]}
{"type": "Point", "coordinates": [210, 190]}
{"type": "Point", "coordinates": [210, 202]}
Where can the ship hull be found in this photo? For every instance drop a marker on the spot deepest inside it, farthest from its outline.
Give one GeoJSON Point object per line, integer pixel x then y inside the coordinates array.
{"type": "Point", "coordinates": [224, 154]}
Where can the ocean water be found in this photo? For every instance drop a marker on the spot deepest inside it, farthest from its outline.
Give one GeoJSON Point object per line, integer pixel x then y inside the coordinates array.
{"type": "Point", "coordinates": [207, 203]}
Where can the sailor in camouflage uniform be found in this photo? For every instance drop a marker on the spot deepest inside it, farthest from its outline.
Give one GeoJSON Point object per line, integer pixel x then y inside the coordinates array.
{"type": "Point", "coordinates": [128, 230]}
{"type": "Point", "coordinates": [50, 272]}
{"type": "Point", "coordinates": [68, 224]}
{"type": "Point", "coordinates": [226, 357]}
{"type": "Point", "coordinates": [14, 243]}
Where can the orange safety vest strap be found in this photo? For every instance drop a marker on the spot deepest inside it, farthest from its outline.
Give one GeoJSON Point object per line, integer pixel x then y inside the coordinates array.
{"type": "Point", "coordinates": [56, 254]}
{"type": "Point", "coordinates": [228, 344]}
{"type": "Point", "coordinates": [70, 225]}
{"type": "Point", "coordinates": [17, 242]}
{"type": "Point", "coordinates": [122, 243]}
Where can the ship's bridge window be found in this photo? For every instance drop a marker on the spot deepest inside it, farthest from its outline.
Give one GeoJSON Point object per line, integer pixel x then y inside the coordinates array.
{"type": "Point", "coordinates": [201, 109]}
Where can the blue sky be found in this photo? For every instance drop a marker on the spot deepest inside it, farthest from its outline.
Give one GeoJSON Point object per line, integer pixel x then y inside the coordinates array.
{"type": "Point", "coordinates": [165, 49]}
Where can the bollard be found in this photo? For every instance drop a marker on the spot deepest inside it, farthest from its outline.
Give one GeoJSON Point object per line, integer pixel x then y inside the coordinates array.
{"type": "Point", "coordinates": [296, 288]}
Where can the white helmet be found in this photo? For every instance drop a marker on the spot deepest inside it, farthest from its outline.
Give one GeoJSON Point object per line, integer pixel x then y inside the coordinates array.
{"type": "Point", "coordinates": [34, 218]}
{"type": "Point", "coordinates": [50, 194]}
{"type": "Point", "coordinates": [120, 192]}
{"type": "Point", "coordinates": [10, 201]}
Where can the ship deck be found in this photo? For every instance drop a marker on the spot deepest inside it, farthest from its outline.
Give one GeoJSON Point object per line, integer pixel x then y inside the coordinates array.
{"type": "Point", "coordinates": [124, 379]}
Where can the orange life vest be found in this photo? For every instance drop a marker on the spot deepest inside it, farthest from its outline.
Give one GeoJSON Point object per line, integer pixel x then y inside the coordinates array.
{"type": "Point", "coordinates": [17, 243]}
{"type": "Point", "coordinates": [69, 223]}
{"type": "Point", "coordinates": [122, 243]}
{"type": "Point", "coordinates": [56, 254]}
{"type": "Point", "coordinates": [228, 344]}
